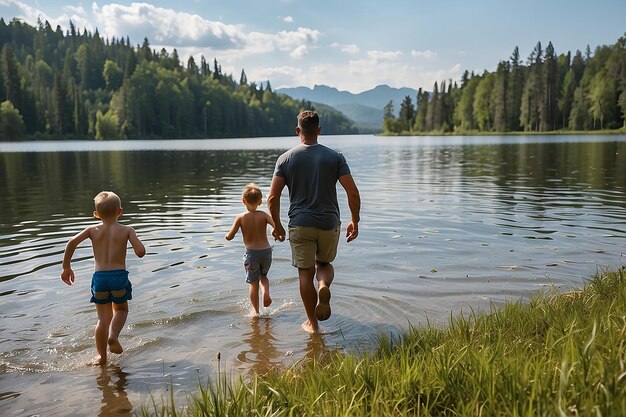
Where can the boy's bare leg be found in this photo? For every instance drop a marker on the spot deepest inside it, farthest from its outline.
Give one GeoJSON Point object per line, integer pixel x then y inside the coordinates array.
{"type": "Point", "coordinates": [105, 314]}
{"type": "Point", "coordinates": [309, 298]}
{"type": "Point", "coordinates": [265, 289]}
{"type": "Point", "coordinates": [120, 312]}
{"type": "Point", "coordinates": [325, 275]}
{"type": "Point", "coordinates": [254, 295]}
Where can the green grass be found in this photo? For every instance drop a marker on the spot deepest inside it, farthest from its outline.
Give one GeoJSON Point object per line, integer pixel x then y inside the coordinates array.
{"type": "Point", "coordinates": [559, 355]}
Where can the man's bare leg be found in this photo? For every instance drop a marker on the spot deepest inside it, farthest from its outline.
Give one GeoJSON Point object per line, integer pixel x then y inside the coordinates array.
{"type": "Point", "coordinates": [105, 314]}
{"type": "Point", "coordinates": [309, 298]}
{"type": "Point", "coordinates": [120, 313]}
{"type": "Point", "coordinates": [325, 275]}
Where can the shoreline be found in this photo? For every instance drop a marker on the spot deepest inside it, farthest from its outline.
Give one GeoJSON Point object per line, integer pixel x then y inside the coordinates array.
{"type": "Point", "coordinates": [548, 356]}
{"type": "Point", "coordinates": [621, 131]}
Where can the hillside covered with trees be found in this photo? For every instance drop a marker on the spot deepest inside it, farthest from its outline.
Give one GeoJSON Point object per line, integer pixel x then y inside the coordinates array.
{"type": "Point", "coordinates": [550, 92]}
{"type": "Point", "coordinates": [74, 84]}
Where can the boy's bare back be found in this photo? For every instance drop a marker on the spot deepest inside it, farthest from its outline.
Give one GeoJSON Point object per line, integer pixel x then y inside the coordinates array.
{"type": "Point", "coordinates": [109, 241]}
{"type": "Point", "coordinates": [253, 226]}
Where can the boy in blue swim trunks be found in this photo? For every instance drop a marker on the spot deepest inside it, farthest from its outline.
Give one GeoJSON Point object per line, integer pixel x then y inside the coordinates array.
{"type": "Point", "coordinates": [258, 257]}
{"type": "Point", "coordinates": [110, 287]}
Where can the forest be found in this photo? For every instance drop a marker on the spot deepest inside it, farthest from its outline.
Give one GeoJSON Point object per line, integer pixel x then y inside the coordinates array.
{"type": "Point", "coordinates": [547, 93]}
{"type": "Point", "coordinates": [77, 85]}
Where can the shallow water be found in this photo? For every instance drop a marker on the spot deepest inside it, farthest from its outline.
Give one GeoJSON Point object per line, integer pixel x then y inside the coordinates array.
{"type": "Point", "coordinates": [448, 224]}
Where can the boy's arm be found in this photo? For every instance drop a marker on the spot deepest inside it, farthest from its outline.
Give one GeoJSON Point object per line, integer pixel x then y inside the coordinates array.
{"type": "Point", "coordinates": [233, 229]}
{"type": "Point", "coordinates": [67, 275]}
{"type": "Point", "coordinates": [138, 247]}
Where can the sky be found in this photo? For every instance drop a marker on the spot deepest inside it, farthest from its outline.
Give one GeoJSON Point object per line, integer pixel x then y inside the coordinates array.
{"type": "Point", "coordinates": [346, 44]}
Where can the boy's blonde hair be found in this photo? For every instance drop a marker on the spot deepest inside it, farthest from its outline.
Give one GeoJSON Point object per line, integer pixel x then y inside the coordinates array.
{"type": "Point", "coordinates": [107, 203]}
{"type": "Point", "coordinates": [252, 193]}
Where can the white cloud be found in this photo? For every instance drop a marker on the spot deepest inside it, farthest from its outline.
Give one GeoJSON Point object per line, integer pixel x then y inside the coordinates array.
{"type": "Point", "coordinates": [166, 26]}
{"type": "Point", "coordinates": [178, 29]}
{"type": "Point", "coordinates": [384, 55]}
{"type": "Point", "coordinates": [75, 9]}
{"type": "Point", "coordinates": [296, 43]}
{"type": "Point", "coordinates": [300, 52]}
{"type": "Point", "coordinates": [423, 54]}
{"type": "Point", "coordinates": [347, 48]}
{"type": "Point", "coordinates": [30, 15]}
{"type": "Point", "coordinates": [288, 19]}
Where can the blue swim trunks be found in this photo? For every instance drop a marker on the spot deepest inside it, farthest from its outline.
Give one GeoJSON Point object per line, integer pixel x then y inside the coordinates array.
{"type": "Point", "coordinates": [257, 263]}
{"type": "Point", "coordinates": [111, 286]}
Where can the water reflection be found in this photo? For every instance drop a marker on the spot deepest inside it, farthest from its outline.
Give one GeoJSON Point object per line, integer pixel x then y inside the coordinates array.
{"type": "Point", "coordinates": [262, 355]}
{"type": "Point", "coordinates": [112, 381]}
{"type": "Point", "coordinates": [316, 350]}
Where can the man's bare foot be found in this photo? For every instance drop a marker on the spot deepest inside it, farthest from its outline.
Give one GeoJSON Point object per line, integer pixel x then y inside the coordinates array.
{"type": "Point", "coordinates": [98, 361]}
{"type": "Point", "coordinates": [322, 310]}
{"type": "Point", "coordinates": [307, 327]}
{"type": "Point", "coordinates": [114, 346]}
{"type": "Point", "coordinates": [267, 300]}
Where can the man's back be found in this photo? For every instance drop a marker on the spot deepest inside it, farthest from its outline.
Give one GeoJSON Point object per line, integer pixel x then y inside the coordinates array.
{"type": "Point", "coordinates": [311, 173]}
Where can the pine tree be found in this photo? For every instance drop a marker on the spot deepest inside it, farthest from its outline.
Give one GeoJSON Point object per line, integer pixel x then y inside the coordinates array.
{"type": "Point", "coordinates": [499, 97]}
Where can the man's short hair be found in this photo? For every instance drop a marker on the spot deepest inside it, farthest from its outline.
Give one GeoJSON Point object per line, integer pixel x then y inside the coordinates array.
{"type": "Point", "coordinates": [107, 203]}
{"type": "Point", "coordinates": [308, 121]}
{"type": "Point", "coordinates": [252, 193]}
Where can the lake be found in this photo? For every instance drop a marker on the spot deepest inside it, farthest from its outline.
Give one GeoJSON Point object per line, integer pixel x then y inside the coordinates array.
{"type": "Point", "coordinates": [449, 225]}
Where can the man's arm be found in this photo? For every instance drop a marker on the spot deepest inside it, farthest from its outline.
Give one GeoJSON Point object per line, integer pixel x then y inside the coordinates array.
{"type": "Point", "coordinates": [273, 205]}
{"type": "Point", "coordinates": [354, 202]}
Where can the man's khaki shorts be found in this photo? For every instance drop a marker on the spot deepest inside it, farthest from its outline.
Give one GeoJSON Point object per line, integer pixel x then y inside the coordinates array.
{"type": "Point", "coordinates": [310, 244]}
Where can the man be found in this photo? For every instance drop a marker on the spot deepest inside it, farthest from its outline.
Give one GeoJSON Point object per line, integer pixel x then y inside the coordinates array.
{"type": "Point", "coordinates": [311, 171]}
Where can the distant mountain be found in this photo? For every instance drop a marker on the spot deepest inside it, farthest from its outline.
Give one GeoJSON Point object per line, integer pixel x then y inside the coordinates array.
{"type": "Point", "coordinates": [367, 119]}
{"type": "Point", "coordinates": [377, 97]}
{"type": "Point", "coordinates": [365, 109]}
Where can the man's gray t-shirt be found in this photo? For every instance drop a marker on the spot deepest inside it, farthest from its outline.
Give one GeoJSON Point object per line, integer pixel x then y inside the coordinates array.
{"type": "Point", "coordinates": [311, 173]}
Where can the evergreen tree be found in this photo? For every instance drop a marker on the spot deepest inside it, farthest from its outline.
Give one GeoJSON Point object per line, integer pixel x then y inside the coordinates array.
{"type": "Point", "coordinates": [11, 77]}
{"type": "Point", "coordinates": [550, 89]}
{"type": "Point", "coordinates": [516, 85]}
{"type": "Point", "coordinates": [499, 97]}
{"type": "Point", "coordinates": [407, 113]}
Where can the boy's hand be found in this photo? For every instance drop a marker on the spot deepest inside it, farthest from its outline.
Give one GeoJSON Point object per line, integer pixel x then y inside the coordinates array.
{"type": "Point", "coordinates": [279, 233]}
{"type": "Point", "coordinates": [67, 276]}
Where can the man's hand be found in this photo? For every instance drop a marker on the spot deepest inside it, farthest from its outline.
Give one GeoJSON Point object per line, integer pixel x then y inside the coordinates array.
{"type": "Point", "coordinates": [352, 231]}
{"type": "Point", "coordinates": [67, 276]}
{"type": "Point", "coordinates": [279, 233]}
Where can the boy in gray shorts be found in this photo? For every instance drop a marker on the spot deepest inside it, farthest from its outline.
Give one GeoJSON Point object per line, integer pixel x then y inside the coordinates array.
{"type": "Point", "coordinates": [258, 257]}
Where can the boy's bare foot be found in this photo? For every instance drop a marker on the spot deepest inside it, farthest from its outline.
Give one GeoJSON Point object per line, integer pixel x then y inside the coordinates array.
{"type": "Point", "coordinates": [267, 300]}
{"type": "Point", "coordinates": [322, 310]}
{"type": "Point", "coordinates": [307, 327]}
{"type": "Point", "coordinates": [114, 346]}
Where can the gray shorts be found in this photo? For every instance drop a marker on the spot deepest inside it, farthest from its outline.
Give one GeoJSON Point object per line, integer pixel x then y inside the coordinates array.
{"type": "Point", "coordinates": [257, 263]}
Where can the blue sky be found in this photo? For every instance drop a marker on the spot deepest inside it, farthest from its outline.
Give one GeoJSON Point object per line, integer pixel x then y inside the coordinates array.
{"type": "Point", "coordinates": [347, 44]}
